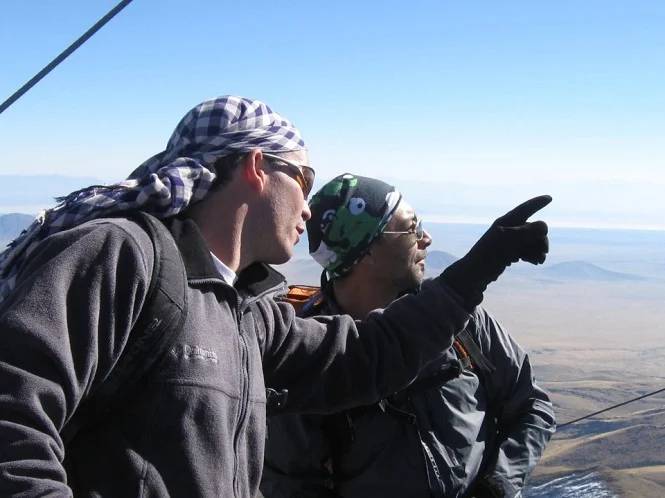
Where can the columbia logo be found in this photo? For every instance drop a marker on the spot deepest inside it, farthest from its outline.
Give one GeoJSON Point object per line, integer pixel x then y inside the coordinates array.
{"type": "Point", "coordinates": [185, 351]}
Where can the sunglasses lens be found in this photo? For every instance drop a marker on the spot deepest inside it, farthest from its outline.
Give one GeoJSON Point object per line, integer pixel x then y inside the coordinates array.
{"type": "Point", "coordinates": [419, 230]}
{"type": "Point", "coordinates": [308, 175]}
{"type": "Point", "coordinates": [301, 181]}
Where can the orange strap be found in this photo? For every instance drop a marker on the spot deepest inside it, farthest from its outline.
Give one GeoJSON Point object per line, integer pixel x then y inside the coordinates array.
{"type": "Point", "coordinates": [299, 295]}
{"type": "Point", "coordinates": [461, 350]}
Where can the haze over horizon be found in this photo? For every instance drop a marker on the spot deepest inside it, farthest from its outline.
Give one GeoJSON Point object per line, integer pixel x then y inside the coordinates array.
{"type": "Point", "coordinates": [497, 97]}
{"type": "Point", "coordinates": [579, 206]}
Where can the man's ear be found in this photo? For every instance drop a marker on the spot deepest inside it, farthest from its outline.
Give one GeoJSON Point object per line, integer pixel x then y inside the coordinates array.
{"type": "Point", "coordinates": [253, 170]}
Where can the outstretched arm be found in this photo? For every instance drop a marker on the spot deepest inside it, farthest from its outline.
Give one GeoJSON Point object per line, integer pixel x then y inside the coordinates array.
{"type": "Point", "coordinates": [331, 363]}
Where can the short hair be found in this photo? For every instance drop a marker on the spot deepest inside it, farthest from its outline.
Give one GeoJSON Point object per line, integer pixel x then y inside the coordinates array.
{"type": "Point", "coordinates": [225, 169]}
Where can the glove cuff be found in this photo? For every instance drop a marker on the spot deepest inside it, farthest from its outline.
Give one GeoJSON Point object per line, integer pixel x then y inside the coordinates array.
{"type": "Point", "coordinates": [463, 284]}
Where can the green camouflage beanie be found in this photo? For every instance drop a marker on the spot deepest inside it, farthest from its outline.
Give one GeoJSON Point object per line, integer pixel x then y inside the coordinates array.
{"type": "Point", "coordinates": [348, 214]}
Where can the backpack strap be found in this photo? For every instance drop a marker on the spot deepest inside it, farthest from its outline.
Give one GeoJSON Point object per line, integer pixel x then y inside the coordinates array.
{"type": "Point", "coordinates": [479, 361]}
{"type": "Point", "coordinates": [470, 357]}
{"type": "Point", "coordinates": [152, 336]}
{"type": "Point", "coordinates": [302, 297]}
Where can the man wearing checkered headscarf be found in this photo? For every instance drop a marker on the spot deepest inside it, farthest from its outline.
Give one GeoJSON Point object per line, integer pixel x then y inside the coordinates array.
{"type": "Point", "coordinates": [169, 182]}
{"type": "Point", "coordinates": [231, 188]}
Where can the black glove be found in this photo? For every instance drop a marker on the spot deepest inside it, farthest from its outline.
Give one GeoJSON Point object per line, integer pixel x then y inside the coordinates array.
{"type": "Point", "coordinates": [488, 488]}
{"type": "Point", "coordinates": [509, 239]}
{"type": "Point", "coordinates": [481, 492]}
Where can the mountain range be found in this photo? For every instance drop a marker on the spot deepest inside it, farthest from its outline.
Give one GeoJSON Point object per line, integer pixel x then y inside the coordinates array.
{"type": "Point", "coordinates": [12, 224]}
{"type": "Point", "coordinates": [305, 270]}
{"type": "Point", "coordinates": [582, 270]}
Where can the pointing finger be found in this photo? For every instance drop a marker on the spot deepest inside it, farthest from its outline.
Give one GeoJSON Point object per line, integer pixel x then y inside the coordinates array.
{"type": "Point", "coordinates": [524, 211]}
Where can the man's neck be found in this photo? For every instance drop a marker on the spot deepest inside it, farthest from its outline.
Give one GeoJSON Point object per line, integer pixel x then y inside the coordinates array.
{"type": "Point", "coordinates": [223, 233]}
{"type": "Point", "coordinates": [358, 296]}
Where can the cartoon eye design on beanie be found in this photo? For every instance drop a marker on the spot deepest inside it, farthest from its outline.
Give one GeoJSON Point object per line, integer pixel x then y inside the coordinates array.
{"type": "Point", "coordinates": [356, 205]}
{"type": "Point", "coordinates": [327, 218]}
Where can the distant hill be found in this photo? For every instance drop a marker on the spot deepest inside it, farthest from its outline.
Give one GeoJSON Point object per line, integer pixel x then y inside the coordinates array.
{"type": "Point", "coordinates": [583, 270]}
{"type": "Point", "coordinates": [440, 259]}
{"type": "Point", "coordinates": [11, 225]}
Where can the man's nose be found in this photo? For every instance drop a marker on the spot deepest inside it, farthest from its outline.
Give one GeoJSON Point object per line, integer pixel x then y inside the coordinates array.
{"type": "Point", "coordinates": [426, 241]}
{"type": "Point", "coordinates": [306, 213]}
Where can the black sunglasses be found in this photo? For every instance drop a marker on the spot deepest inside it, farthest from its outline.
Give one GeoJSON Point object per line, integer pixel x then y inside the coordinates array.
{"type": "Point", "coordinates": [417, 230]}
{"type": "Point", "coordinates": [304, 174]}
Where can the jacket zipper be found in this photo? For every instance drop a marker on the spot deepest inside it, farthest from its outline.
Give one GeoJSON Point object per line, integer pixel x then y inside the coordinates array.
{"type": "Point", "coordinates": [246, 377]}
{"type": "Point", "coordinates": [244, 396]}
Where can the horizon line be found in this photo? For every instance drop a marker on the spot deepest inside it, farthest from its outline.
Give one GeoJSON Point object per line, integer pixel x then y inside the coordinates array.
{"type": "Point", "coordinates": [558, 223]}
{"type": "Point", "coordinates": [442, 220]}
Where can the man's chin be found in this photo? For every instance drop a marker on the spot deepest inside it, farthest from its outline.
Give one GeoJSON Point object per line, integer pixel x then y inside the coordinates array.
{"type": "Point", "coordinates": [281, 257]}
{"type": "Point", "coordinates": [413, 282]}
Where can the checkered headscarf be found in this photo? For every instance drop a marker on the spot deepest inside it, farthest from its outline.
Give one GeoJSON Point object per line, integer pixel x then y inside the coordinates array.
{"type": "Point", "coordinates": [169, 182]}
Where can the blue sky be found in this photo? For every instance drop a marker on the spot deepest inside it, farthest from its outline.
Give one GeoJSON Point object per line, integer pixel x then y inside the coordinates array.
{"type": "Point", "coordinates": [508, 97]}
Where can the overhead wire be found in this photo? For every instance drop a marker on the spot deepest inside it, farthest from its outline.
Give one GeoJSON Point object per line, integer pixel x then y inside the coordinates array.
{"type": "Point", "coordinates": [65, 53]}
{"type": "Point", "coordinates": [570, 422]}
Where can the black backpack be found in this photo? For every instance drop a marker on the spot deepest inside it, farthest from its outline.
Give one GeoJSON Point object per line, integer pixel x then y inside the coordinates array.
{"type": "Point", "coordinates": [152, 337]}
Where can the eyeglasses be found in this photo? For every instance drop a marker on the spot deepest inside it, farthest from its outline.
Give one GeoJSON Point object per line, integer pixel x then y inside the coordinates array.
{"type": "Point", "coordinates": [417, 230]}
{"type": "Point", "coordinates": [304, 174]}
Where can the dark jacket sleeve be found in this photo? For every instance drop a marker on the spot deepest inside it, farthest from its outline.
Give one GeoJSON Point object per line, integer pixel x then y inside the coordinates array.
{"type": "Point", "coordinates": [296, 458]}
{"type": "Point", "coordinates": [331, 363]}
{"type": "Point", "coordinates": [525, 415]}
{"type": "Point", "coordinates": [61, 330]}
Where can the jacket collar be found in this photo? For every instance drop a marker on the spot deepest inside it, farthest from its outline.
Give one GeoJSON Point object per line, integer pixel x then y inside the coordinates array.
{"type": "Point", "coordinates": [255, 280]}
{"type": "Point", "coordinates": [329, 295]}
